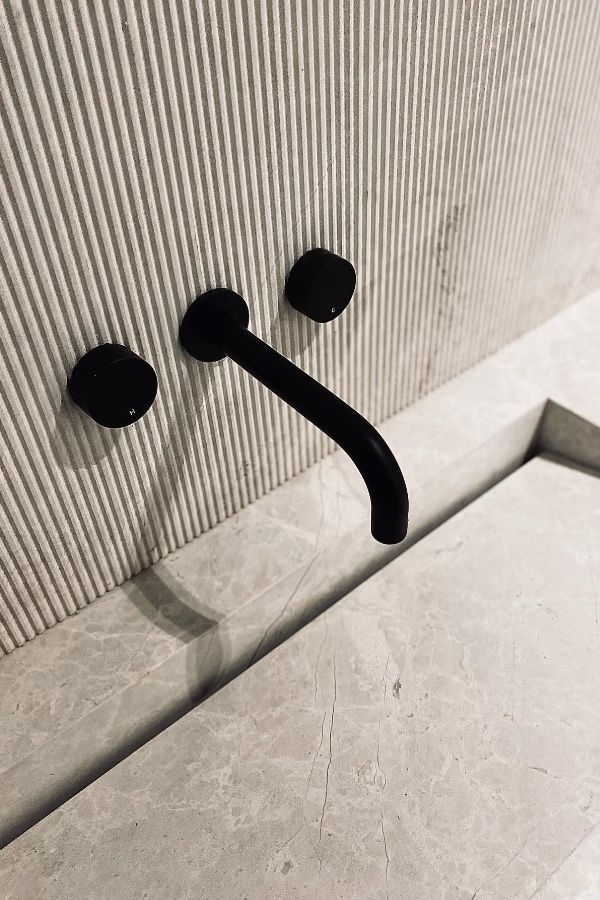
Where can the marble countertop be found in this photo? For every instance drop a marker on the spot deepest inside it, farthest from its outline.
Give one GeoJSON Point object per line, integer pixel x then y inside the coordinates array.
{"type": "Point", "coordinates": [436, 734]}
{"type": "Point", "coordinates": [149, 651]}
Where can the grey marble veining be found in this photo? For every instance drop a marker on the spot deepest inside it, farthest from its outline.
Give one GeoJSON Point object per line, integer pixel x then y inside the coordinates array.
{"type": "Point", "coordinates": [137, 627]}
{"type": "Point", "coordinates": [436, 734]}
{"type": "Point", "coordinates": [149, 650]}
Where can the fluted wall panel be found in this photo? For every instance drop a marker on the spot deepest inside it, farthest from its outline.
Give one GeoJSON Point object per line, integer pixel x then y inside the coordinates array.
{"type": "Point", "coordinates": [151, 149]}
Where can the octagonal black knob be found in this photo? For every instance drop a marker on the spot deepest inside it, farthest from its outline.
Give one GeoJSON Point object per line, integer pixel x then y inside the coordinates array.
{"type": "Point", "coordinates": [113, 385]}
{"type": "Point", "coordinates": [320, 284]}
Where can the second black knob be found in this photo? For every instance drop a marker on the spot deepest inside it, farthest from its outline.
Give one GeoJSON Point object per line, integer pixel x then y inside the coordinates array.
{"type": "Point", "coordinates": [321, 284]}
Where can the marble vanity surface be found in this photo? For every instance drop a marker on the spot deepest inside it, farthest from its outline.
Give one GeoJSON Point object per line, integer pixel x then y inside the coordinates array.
{"type": "Point", "coordinates": [151, 649]}
{"type": "Point", "coordinates": [435, 734]}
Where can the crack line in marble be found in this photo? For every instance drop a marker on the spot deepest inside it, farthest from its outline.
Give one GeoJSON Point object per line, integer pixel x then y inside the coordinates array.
{"type": "Point", "coordinates": [555, 428]}
{"type": "Point", "coordinates": [511, 825]}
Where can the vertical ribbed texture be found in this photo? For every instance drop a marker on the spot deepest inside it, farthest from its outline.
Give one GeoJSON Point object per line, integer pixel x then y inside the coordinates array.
{"type": "Point", "coordinates": [151, 149]}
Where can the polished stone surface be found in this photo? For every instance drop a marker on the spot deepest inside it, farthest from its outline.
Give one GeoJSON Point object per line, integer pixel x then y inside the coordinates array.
{"type": "Point", "coordinates": [436, 734]}
{"type": "Point", "coordinates": [151, 649]}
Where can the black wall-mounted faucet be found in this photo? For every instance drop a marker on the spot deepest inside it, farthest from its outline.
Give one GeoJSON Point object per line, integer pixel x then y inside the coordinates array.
{"type": "Point", "coordinates": [216, 325]}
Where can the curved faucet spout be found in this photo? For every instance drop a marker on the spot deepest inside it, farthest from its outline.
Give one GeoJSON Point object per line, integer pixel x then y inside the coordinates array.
{"type": "Point", "coordinates": [215, 326]}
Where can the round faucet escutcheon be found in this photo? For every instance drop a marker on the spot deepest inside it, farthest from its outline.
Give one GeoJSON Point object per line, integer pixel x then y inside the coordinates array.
{"type": "Point", "coordinates": [320, 285]}
{"type": "Point", "coordinates": [113, 385]}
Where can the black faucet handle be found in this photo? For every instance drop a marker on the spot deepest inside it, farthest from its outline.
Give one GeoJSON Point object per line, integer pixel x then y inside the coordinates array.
{"type": "Point", "coordinates": [113, 385]}
{"type": "Point", "coordinates": [320, 284]}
